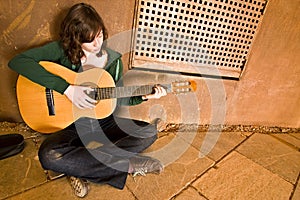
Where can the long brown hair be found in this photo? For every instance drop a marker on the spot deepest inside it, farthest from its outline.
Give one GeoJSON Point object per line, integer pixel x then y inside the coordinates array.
{"type": "Point", "coordinates": [81, 25]}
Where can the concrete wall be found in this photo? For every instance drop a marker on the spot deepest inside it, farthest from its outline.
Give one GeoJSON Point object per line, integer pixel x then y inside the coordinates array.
{"type": "Point", "coordinates": [267, 94]}
{"type": "Point", "coordinates": [29, 23]}
{"type": "Point", "coordinates": [269, 91]}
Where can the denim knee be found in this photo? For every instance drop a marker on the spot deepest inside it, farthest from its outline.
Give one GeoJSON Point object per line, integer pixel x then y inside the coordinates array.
{"type": "Point", "coordinates": [48, 157]}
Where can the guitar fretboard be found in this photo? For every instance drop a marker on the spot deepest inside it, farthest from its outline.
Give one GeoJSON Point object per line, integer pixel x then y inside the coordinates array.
{"type": "Point", "coordinates": [121, 92]}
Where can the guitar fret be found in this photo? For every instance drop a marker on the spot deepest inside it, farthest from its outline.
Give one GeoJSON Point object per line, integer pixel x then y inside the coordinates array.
{"type": "Point", "coordinates": [112, 92]}
{"type": "Point", "coordinates": [106, 94]}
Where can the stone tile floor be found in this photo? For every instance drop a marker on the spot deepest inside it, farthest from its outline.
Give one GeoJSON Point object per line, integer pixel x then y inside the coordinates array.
{"type": "Point", "coordinates": [241, 165]}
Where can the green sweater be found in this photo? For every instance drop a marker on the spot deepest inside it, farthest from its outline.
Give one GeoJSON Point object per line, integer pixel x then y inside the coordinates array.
{"type": "Point", "coordinates": [27, 64]}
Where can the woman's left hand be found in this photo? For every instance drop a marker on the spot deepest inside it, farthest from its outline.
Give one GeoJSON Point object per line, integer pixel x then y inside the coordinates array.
{"type": "Point", "coordinates": [159, 92]}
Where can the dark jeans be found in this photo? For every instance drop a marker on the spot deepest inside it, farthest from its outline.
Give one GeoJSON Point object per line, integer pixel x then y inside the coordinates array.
{"type": "Point", "coordinates": [117, 139]}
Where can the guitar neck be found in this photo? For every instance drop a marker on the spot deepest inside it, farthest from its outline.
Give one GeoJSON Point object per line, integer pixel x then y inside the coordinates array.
{"type": "Point", "coordinates": [121, 92]}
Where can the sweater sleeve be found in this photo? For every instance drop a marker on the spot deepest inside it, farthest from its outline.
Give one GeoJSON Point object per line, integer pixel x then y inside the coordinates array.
{"type": "Point", "coordinates": [27, 65]}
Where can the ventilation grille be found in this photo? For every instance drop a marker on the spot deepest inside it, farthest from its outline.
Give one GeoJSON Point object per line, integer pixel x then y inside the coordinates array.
{"type": "Point", "coordinates": [197, 33]}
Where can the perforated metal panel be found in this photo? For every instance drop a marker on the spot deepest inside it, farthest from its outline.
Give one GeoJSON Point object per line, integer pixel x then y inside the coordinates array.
{"type": "Point", "coordinates": [196, 35]}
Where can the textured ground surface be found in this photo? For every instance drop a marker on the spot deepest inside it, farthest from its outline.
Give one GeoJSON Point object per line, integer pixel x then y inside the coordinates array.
{"type": "Point", "coordinates": [247, 162]}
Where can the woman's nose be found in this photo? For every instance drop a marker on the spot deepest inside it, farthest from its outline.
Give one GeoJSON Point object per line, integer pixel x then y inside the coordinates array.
{"type": "Point", "coordinates": [95, 43]}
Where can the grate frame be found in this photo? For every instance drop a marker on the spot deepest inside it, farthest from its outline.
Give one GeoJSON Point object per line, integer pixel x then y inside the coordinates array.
{"type": "Point", "coordinates": [211, 37]}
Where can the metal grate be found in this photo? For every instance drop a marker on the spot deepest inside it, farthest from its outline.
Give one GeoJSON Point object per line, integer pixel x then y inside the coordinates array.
{"type": "Point", "coordinates": [188, 35]}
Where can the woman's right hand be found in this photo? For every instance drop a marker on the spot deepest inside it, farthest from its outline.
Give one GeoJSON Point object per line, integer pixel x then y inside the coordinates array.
{"type": "Point", "coordinates": [78, 96]}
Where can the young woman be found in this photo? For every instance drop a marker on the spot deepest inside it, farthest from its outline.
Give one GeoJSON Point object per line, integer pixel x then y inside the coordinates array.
{"type": "Point", "coordinates": [82, 37]}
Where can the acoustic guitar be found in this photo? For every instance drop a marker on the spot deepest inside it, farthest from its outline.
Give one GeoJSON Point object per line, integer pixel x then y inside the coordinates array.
{"type": "Point", "coordinates": [47, 111]}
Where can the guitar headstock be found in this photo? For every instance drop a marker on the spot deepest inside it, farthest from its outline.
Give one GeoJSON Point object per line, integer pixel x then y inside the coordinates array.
{"type": "Point", "coordinates": [180, 87]}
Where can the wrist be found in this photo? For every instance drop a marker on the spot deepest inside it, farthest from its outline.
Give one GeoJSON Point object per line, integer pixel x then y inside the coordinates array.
{"type": "Point", "coordinates": [144, 98]}
{"type": "Point", "coordinates": [67, 90]}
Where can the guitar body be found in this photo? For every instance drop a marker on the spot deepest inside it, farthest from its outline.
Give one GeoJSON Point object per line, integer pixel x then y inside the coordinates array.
{"type": "Point", "coordinates": [33, 105]}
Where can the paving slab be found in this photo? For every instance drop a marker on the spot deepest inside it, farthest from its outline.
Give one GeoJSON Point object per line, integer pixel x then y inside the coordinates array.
{"type": "Point", "coordinates": [60, 189]}
{"type": "Point", "coordinates": [49, 190]}
{"type": "Point", "coordinates": [296, 135]}
{"type": "Point", "coordinates": [237, 177]}
{"type": "Point", "coordinates": [177, 174]}
{"type": "Point", "coordinates": [225, 143]}
{"type": "Point", "coordinates": [289, 139]}
{"type": "Point", "coordinates": [272, 154]}
{"type": "Point", "coordinates": [296, 195]}
{"type": "Point", "coordinates": [189, 193]}
{"type": "Point", "coordinates": [22, 171]}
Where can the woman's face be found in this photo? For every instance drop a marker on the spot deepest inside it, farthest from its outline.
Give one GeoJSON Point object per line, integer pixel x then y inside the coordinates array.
{"type": "Point", "coordinates": [95, 45]}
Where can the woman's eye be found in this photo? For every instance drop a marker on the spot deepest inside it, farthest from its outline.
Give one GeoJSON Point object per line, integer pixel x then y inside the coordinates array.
{"type": "Point", "coordinates": [89, 40]}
